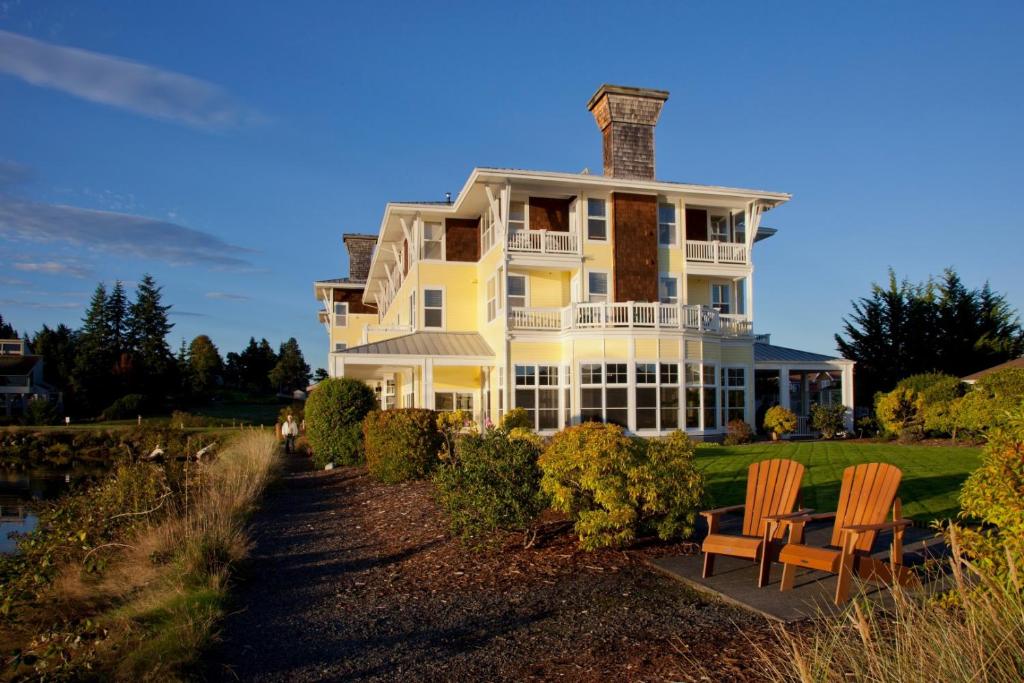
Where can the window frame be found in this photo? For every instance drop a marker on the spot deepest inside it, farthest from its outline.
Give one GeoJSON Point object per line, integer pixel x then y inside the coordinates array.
{"type": "Point", "coordinates": [675, 280]}
{"type": "Point", "coordinates": [536, 387]}
{"type": "Point", "coordinates": [603, 219]}
{"type": "Point", "coordinates": [607, 283]}
{"type": "Point", "coordinates": [442, 307]}
{"type": "Point", "coordinates": [627, 384]}
{"type": "Point", "coordinates": [455, 396]}
{"type": "Point", "coordinates": [412, 310]}
{"type": "Point", "coordinates": [442, 242]}
{"type": "Point", "coordinates": [340, 316]}
{"type": "Point", "coordinates": [659, 383]}
{"type": "Point", "coordinates": [526, 215]}
{"type": "Point", "coordinates": [343, 345]}
{"type": "Point", "coordinates": [728, 388]}
{"type": "Point", "coordinates": [727, 304]}
{"type": "Point", "coordinates": [491, 297]}
{"type": "Point", "coordinates": [526, 290]}
{"type": "Point", "coordinates": [674, 224]}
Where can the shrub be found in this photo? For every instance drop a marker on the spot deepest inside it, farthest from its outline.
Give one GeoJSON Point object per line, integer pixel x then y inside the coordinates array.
{"type": "Point", "coordinates": [992, 495]}
{"type": "Point", "coordinates": [517, 418]}
{"type": "Point", "coordinates": [401, 444]}
{"type": "Point", "coordinates": [612, 486]}
{"type": "Point", "coordinates": [296, 409]}
{"type": "Point", "coordinates": [333, 414]}
{"type": "Point", "coordinates": [899, 410]}
{"type": "Point", "coordinates": [990, 401]}
{"type": "Point", "coordinates": [493, 482]}
{"type": "Point", "coordinates": [125, 408]}
{"type": "Point", "coordinates": [779, 421]}
{"type": "Point", "coordinates": [829, 420]}
{"type": "Point", "coordinates": [40, 411]}
{"type": "Point", "coordinates": [738, 432]}
{"type": "Point", "coordinates": [933, 387]}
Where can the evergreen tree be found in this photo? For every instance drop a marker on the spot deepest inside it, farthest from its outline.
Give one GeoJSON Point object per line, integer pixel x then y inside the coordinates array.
{"type": "Point", "coordinates": [6, 330]}
{"type": "Point", "coordinates": [320, 375]}
{"type": "Point", "coordinates": [57, 346]}
{"type": "Point", "coordinates": [233, 370]}
{"type": "Point", "coordinates": [255, 363]}
{"type": "Point", "coordinates": [148, 327]}
{"type": "Point", "coordinates": [93, 359]}
{"type": "Point", "coordinates": [291, 371]}
{"type": "Point", "coordinates": [205, 366]}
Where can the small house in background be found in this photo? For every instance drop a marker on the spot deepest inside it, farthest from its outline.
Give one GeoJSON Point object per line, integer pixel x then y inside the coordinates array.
{"type": "Point", "coordinates": [974, 377]}
{"type": "Point", "coordinates": [21, 378]}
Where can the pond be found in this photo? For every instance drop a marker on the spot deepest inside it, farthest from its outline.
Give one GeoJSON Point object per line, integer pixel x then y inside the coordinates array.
{"type": "Point", "coordinates": [22, 493]}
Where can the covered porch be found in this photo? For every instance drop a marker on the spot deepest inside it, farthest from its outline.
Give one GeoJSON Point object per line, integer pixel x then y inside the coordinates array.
{"type": "Point", "coordinates": [435, 370]}
{"type": "Point", "coordinates": [797, 380]}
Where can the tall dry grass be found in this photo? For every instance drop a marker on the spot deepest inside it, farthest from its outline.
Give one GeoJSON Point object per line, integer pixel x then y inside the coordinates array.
{"type": "Point", "coordinates": [975, 632]}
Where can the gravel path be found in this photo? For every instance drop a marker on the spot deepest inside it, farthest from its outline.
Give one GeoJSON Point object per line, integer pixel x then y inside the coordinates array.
{"type": "Point", "coordinates": [352, 580]}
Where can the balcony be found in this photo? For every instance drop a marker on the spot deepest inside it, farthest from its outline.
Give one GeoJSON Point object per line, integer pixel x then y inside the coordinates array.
{"type": "Point", "coordinates": [629, 315]}
{"type": "Point", "coordinates": [545, 242]}
{"type": "Point", "coordinates": [716, 252]}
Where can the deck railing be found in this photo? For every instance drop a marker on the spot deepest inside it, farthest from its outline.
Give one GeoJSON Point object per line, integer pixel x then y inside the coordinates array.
{"type": "Point", "coordinates": [630, 314]}
{"type": "Point", "coordinates": [544, 242]}
{"type": "Point", "coordinates": [716, 252]}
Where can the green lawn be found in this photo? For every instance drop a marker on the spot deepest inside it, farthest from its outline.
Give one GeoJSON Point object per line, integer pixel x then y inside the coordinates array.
{"type": "Point", "coordinates": [932, 475]}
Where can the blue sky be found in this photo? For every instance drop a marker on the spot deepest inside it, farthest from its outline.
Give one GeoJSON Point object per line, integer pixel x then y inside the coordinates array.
{"type": "Point", "coordinates": [225, 147]}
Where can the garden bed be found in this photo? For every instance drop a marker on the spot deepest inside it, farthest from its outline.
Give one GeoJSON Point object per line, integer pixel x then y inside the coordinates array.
{"type": "Point", "coordinates": [357, 580]}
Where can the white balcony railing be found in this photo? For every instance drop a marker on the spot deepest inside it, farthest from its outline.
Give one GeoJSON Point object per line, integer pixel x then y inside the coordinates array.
{"type": "Point", "coordinates": [716, 252]}
{"type": "Point", "coordinates": [544, 242]}
{"type": "Point", "coordinates": [629, 315]}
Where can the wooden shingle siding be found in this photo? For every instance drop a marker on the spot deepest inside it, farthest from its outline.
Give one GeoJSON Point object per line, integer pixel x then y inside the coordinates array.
{"type": "Point", "coordinates": [548, 213]}
{"type": "Point", "coordinates": [462, 239]}
{"type": "Point", "coordinates": [635, 246]}
{"type": "Point", "coordinates": [354, 297]}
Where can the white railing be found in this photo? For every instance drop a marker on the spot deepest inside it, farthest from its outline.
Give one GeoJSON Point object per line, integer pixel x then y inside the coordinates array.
{"type": "Point", "coordinates": [629, 314]}
{"type": "Point", "coordinates": [384, 329]}
{"type": "Point", "coordinates": [716, 252]}
{"type": "Point", "coordinates": [544, 242]}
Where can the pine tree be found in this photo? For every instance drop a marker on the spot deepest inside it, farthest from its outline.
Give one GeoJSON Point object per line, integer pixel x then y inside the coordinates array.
{"type": "Point", "coordinates": [291, 371]}
{"type": "Point", "coordinates": [205, 366]}
{"type": "Point", "coordinates": [57, 346]}
{"type": "Point", "coordinates": [6, 330]}
{"type": "Point", "coordinates": [94, 360]}
{"type": "Point", "coordinates": [148, 327]}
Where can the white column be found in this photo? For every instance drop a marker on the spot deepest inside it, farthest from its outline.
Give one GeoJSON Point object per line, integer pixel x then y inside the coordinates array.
{"type": "Point", "coordinates": [750, 296]}
{"type": "Point", "coordinates": [784, 387]}
{"type": "Point", "coordinates": [848, 400]}
{"type": "Point", "coordinates": [428, 383]}
{"type": "Point", "coordinates": [339, 366]}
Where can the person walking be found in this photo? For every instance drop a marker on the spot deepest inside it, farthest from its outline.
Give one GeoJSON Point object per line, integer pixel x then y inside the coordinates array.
{"type": "Point", "coordinates": [289, 430]}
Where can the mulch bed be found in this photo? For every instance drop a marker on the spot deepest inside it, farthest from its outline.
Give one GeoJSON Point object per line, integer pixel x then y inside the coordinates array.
{"type": "Point", "coordinates": [354, 580]}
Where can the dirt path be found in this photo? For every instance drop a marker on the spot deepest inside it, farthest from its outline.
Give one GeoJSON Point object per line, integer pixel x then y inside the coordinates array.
{"type": "Point", "coordinates": [358, 581]}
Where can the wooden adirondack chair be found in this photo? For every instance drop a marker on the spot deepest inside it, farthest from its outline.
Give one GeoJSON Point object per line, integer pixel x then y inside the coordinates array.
{"type": "Point", "coordinates": [773, 490]}
{"type": "Point", "coordinates": [867, 495]}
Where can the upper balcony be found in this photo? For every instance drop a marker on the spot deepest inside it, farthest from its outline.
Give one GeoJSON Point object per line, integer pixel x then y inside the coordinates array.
{"type": "Point", "coordinates": [734, 253]}
{"type": "Point", "coordinates": [630, 315]}
{"type": "Point", "coordinates": [545, 248]}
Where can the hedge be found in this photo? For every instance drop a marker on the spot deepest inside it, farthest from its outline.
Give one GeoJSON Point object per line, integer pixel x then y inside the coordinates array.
{"type": "Point", "coordinates": [334, 413]}
{"type": "Point", "coordinates": [401, 444]}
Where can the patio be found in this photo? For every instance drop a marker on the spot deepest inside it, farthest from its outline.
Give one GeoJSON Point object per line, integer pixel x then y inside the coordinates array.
{"type": "Point", "coordinates": [735, 580]}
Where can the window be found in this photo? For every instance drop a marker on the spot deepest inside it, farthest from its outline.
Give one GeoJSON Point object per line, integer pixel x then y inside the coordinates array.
{"type": "Point", "coordinates": [433, 241]}
{"type": "Point", "coordinates": [720, 298]}
{"type": "Point", "coordinates": [657, 396]}
{"type": "Point", "coordinates": [340, 346]}
{"type": "Point", "coordinates": [450, 401]}
{"type": "Point", "coordinates": [668, 289]}
{"type": "Point", "coordinates": [597, 287]}
{"type": "Point", "coordinates": [340, 314]}
{"type": "Point", "coordinates": [412, 310]}
{"type": "Point", "coordinates": [666, 224]}
{"type": "Point", "coordinates": [720, 228]}
{"type": "Point", "coordinates": [433, 308]}
{"type": "Point", "coordinates": [607, 401]}
{"type": "Point", "coordinates": [697, 396]}
{"type": "Point", "coordinates": [734, 393]}
{"type": "Point", "coordinates": [492, 297]}
{"type": "Point", "coordinates": [710, 396]}
{"type": "Point", "coordinates": [537, 390]}
{"type": "Point", "coordinates": [739, 227]}
{"type": "Point", "coordinates": [741, 296]}
{"type": "Point", "coordinates": [516, 216]}
{"type": "Point", "coordinates": [597, 219]}
{"type": "Point", "coordinates": [486, 231]}
{"type": "Point", "coordinates": [668, 396]}
{"type": "Point", "coordinates": [388, 395]}
{"type": "Point", "coordinates": [516, 291]}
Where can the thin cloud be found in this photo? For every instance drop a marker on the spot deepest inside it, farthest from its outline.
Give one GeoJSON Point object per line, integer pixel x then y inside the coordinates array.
{"type": "Point", "coordinates": [227, 296]}
{"type": "Point", "coordinates": [54, 268]}
{"type": "Point", "coordinates": [120, 83]}
{"type": "Point", "coordinates": [187, 314]}
{"type": "Point", "coordinates": [41, 304]}
{"type": "Point", "coordinates": [12, 173]}
{"type": "Point", "coordinates": [117, 233]}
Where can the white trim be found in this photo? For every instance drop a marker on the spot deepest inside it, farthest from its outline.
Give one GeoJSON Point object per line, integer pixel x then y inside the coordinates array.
{"type": "Point", "coordinates": [585, 228]}
{"type": "Point", "coordinates": [444, 307]}
{"type": "Point", "coordinates": [526, 289]}
{"type": "Point", "coordinates": [607, 282]}
{"type": "Point", "coordinates": [665, 201]}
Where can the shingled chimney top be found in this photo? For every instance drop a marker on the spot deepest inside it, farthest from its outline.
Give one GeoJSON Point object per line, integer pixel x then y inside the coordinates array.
{"type": "Point", "coordinates": [627, 117]}
{"type": "Point", "coordinates": [360, 252]}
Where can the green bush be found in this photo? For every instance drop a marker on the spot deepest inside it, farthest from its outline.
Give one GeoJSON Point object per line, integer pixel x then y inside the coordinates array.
{"type": "Point", "coordinates": [993, 496]}
{"type": "Point", "coordinates": [779, 421]}
{"type": "Point", "coordinates": [992, 399]}
{"type": "Point", "coordinates": [934, 387]}
{"type": "Point", "coordinates": [492, 482]}
{"type": "Point", "coordinates": [296, 409]}
{"type": "Point", "coordinates": [738, 432]}
{"type": "Point", "coordinates": [614, 487]}
{"type": "Point", "coordinates": [401, 444]}
{"type": "Point", "coordinates": [517, 418]}
{"type": "Point", "coordinates": [40, 411]}
{"type": "Point", "coordinates": [829, 420]}
{"type": "Point", "coordinates": [125, 408]}
{"type": "Point", "coordinates": [899, 411]}
{"type": "Point", "coordinates": [334, 411]}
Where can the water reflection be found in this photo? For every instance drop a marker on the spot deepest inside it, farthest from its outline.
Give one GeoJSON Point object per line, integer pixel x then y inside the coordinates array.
{"type": "Point", "coordinates": [21, 494]}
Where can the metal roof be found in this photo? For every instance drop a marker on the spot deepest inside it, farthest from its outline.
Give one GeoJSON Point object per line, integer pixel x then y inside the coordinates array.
{"type": "Point", "coordinates": [768, 353]}
{"type": "Point", "coordinates": [427, 344]}
{"type": "Point", "coordinates": [975, 376]}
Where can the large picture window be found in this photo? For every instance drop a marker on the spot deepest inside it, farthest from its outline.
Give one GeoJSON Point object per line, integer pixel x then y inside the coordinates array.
{"type": "Point", "coordinates": [657, 396]}
{"type": "Point", "coordinates": [537, 388]}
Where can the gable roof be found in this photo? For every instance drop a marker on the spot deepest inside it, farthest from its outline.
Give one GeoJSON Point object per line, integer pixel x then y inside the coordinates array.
{"type": "Point", "coordinates": [469, 344]}
{"type": "Point", "coordinates": [769, 353]}
{"type": "Point", "coordinates": [975, 376]}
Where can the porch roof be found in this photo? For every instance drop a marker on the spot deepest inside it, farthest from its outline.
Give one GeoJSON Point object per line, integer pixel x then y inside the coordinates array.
{"type": "Point", "coordinates": [469, 344]}
{"type": "Point", "coordinates": [769, 353]}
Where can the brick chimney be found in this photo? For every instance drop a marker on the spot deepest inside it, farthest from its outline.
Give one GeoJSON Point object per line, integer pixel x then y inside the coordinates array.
{"type": "Point", "coordinates": [360, 251]}
{"type": "Point", "coordinates": [626, 117]}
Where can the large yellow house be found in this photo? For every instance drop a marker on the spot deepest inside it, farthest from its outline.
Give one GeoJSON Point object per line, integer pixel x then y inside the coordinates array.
{"type": "Point", "coordinates": [576, 296]}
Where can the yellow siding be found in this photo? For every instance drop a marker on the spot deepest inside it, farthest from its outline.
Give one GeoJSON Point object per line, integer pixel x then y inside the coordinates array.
{"type": "Point", "coordinates": [712, 351]}
{"type": "Point", "coordinates": [398, 313]}
{"type": "Point", "coordinates": [547, 289]}
{"type": "Point", "coordinates": [670, 262]}
{"type": "Point", "coordinates": [459, 281]}
{"type": "Point", "coordinates": [352, 334]}
{"type": "Point", "coordinates": [670, 349]}
{"type": "Point", "coordinates": [647, 349]}
{"type": "Point", "coordinates": [743, 355]}
{"type": "Point", "coordinates": [616, 349]}
{"type": "Point", "coordinates": [535, 352]}
{"type": "Point", "coordinates": [589, 349]}
{"type": "Point", "coordinates": [698, 291]}
{"type": "Point", "coordinates": [458, 378]}
{"type": "Point", "coordinates": [692, 349]}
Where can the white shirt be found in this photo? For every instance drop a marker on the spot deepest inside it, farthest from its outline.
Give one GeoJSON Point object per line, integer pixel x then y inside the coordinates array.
{"type": "Point", "coordinates": [289, 428]}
